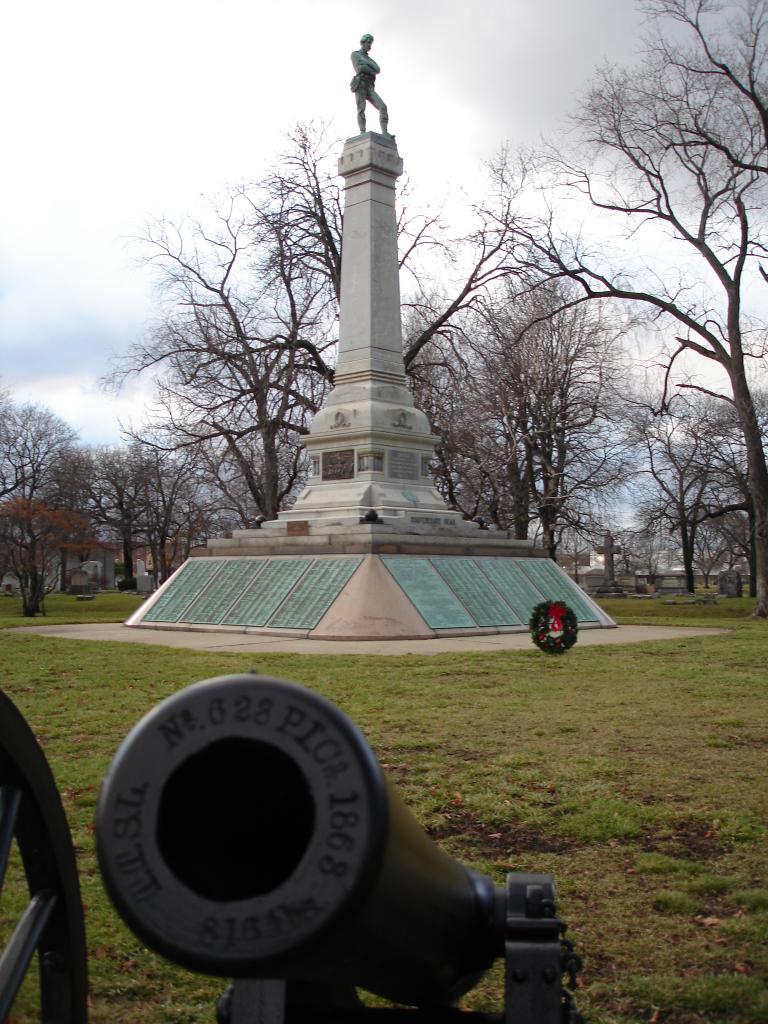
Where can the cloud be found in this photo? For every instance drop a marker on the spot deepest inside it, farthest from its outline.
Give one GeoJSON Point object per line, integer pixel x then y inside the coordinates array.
{"type": "Point", "coordinates": [121, 113]}
{"type": "Point", "coordinates": [98, 418]}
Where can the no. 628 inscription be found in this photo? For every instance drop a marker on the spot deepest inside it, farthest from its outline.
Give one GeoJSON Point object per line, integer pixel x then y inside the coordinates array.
{"type": "Point", "coordinates": [309, 733]}
{"type": "Point", "coordinates": [241, 708]}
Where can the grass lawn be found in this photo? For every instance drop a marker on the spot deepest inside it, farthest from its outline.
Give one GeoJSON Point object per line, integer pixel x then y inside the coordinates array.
{"type": "Point", "coordinates": [636, 775]}
{"type": "Point", "coordinates": [63, 609]}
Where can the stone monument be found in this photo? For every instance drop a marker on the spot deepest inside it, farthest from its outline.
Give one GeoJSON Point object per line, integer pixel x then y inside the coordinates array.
{"type": "Point", "coordinates": [369, 446]}
{"type": "Point", "coordinates": [729, 583]}
{"type": "Point", "coordinates": [369, 550]}
{"type": "Point", "coordinates": [609, 587]}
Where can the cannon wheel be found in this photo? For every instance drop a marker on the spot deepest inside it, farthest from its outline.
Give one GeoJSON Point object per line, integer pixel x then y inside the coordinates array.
{"type": "Point", "coordinates": [52, 923]}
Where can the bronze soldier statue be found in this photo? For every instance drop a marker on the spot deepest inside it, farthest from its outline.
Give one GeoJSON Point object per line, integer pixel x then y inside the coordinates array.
{"type": "Point", "coordinates": [362, 85]}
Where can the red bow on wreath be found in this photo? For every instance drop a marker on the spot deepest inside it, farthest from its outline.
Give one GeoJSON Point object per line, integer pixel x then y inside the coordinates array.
{"type": "Point", "coordinates": [555, 613]}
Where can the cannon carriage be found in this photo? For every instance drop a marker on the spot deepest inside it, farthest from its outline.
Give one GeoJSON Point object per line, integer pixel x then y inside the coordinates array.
{"type": "Point", "coordinates": [246, 830]}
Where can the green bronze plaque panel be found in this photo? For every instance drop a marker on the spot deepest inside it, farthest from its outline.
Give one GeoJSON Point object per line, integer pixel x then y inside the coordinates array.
{"type": "Point", "coordinates": [310, 600]}
{"type": "Point", "coordinates": [217, 598]}
{"type": "Point", "coordinates": [513, 585]}
{"type": "Point", "coordinates": [555, 586]}
{"type": "Point", "coordinates": [266, 591]}
{"type": "Point", "coordinates": [182, 590]}
{"type": "Point", "coordinates": [429, 592]}
{"type": "Point", "coordinates": [475, 591]}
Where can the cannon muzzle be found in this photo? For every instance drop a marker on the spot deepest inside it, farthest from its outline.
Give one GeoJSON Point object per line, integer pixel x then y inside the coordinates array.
{"type": "Point", "coordinates": [246, 829]}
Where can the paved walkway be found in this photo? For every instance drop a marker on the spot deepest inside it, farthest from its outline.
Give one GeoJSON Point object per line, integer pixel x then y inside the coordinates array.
{"type": "Point", "coordinates": [250, 642]}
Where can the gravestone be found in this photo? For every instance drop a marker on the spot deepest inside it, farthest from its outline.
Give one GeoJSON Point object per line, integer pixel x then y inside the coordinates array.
{"type": "Point", "coordinates": [729, 583]}
{"type": "Point", "coordinates": [79, 582]}
{"type": "Point", "coordinates": [609, 587]}
{"type": "Point", "coordinates": [671, 583]}
{"type": "Point", "coordinates": [145, 583]}
{"type": "Point", "coordinates": [94, 570]}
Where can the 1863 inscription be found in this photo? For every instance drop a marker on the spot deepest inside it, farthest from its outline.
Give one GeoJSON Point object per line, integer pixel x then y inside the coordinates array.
{"type": "Point", "coordinates": [339, 465]}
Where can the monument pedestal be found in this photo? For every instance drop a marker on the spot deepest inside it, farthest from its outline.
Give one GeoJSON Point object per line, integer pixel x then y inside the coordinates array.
{"type": "Point", "coordinates": [369, 446]}
{"type": "Point", "coordinates": [323, 569]}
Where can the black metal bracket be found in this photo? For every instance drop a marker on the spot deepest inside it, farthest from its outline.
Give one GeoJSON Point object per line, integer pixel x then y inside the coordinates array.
{"type": "Point", "coordinates": [536, 959]}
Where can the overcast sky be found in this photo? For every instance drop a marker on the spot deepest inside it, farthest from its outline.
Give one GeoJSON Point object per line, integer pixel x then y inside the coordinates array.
{"type": "Point", "coordinates": [118, 112]}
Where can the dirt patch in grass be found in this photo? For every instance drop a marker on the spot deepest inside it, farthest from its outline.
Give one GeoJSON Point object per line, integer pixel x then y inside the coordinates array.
{"type": "Point", "coordinates": [694, 840]}
{"type": "Point", "coordinates": [491, 843]}
{"type": "Point", "coordinates": [657, 1015]}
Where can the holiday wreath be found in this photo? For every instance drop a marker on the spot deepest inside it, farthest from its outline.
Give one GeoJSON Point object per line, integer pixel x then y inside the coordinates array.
{"type": "Point", "coordinates": [553, 627]}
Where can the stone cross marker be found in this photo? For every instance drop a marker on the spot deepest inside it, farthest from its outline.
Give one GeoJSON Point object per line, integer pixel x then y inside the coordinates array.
{"type": "Point", "coordinates": [609, 586]}
{"type": "Point", "coordinates": [608, 550]}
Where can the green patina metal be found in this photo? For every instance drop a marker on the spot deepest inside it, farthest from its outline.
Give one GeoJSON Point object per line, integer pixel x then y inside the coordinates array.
{"type": "Point", "coordinates": [307, 604]}
{"type": "Point", "coordinates": [220, 595]}
{"type": "Point", "coordinates": [429, 592]}
{"type": "Point", "coordinates": [266, 592]}
{"type": "Point", "coordinates": [184, 587]}
{"type": "Point", "coordinates": [475, 591]}
{"type": "Point", "coordinates": [554, 586]}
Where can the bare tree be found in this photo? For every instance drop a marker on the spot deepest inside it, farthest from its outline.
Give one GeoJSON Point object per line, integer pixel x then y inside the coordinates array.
{"type": "Point", "coordinates": [552, 371]}
{"type": "Point", "coordinates": [32, 539]}
{"type": "Point", "coordinates": [736, 533]}
{"type": "Point", "coordinates": [39, 515]}
{"type": "Point", "coordinates": [33, 443]}
{"type": "Point", "coordinates": [177, 509]}
{"type": "Point", "coordinates": [524, 409]}
{"type": "Point", "coordinates": [473, 264]}
{"type": "Point", "coordinates": [710, 549]}
{"type": "Point", "coordinates": [647, 550]}
{"type": "Point", "coordinates": [675, 152]}
{"type": "Point", "coordinates": [11, 470]}
{"type": "Point", "coordinates": [241, 347]}
{"type": "Point", "coordinates": [673, 487]}
{"type": "Point", "coordinates": [117, 497]}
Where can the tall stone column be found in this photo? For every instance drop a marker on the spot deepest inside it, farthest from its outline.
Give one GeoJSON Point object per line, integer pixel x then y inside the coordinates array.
{"type": "Point", "coordinates": [370, 337]}
{"type": "Point", "coordinates": [369, 445]}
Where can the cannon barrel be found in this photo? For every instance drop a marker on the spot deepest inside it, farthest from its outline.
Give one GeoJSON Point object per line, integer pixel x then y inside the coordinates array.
{"type": "Point", "coordinates": [246, 829]}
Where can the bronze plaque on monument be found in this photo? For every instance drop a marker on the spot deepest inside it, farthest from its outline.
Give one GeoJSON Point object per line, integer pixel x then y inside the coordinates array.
{"type": "Point", "coordinates": [339, 465]}
{"type": "Point", "coordinates": [191, 578]}
{"type": "Point", "coordinates": [403, 465]}
{"type": "Point", "coordinates": [322, 584]}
